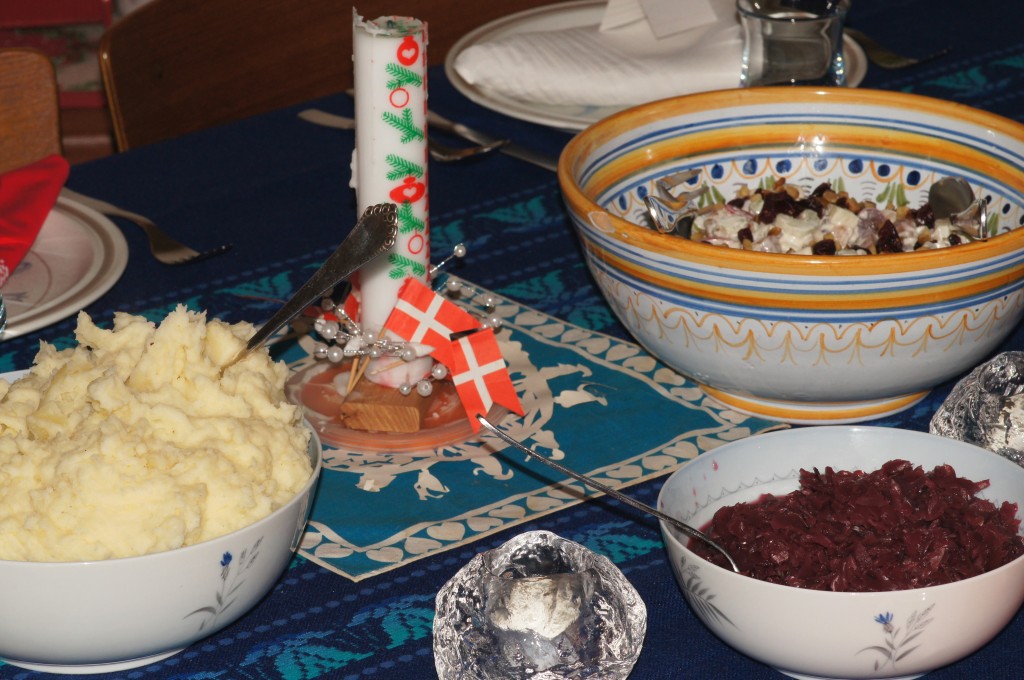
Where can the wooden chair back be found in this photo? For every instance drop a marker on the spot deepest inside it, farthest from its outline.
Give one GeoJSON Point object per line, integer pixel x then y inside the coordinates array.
{"type": "Point", "coordinates": [29, 108]}
{"type": "Point", "coordinates": [176, 66]}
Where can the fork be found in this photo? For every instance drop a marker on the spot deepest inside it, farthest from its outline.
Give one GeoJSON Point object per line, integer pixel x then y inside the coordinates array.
{"type": "Point", "coordinates": [885, 58]}
{"type": "Point", "coordinates": [164, 248]}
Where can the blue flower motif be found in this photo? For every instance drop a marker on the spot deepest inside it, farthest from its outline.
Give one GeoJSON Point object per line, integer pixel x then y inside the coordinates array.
{"type": "Point", "coordinates": [225, 560]}
{"type": "Point", "coordinates": [884, 619]}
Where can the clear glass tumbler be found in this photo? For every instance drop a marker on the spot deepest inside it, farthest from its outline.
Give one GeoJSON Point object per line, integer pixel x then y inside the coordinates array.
{"type": "Point", "coordinates": [793, 42]}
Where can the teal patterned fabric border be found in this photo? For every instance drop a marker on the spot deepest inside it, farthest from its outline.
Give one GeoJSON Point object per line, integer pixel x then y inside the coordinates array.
{"type": "Point", "coordinates": [598, 404]}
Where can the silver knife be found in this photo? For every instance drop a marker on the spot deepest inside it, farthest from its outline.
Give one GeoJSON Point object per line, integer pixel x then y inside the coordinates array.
{"type": "Point", "coordinates": [510, 149]}
{"type": "Point", "coordinates": [451, 127]}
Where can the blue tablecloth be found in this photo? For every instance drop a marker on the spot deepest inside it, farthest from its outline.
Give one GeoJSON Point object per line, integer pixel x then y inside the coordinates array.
{"type": "Point", "coordinates": [277, 188]}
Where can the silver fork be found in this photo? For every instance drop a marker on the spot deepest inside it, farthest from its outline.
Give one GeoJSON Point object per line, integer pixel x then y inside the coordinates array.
{"type": "Point", "coordinates": [884, 57]}
{"type": "Point", "coordinates": [164, 248]}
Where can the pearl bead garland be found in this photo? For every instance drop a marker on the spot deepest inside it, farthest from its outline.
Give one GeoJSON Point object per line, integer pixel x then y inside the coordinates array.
{"type": "Point", "coordinates": [344, 338]}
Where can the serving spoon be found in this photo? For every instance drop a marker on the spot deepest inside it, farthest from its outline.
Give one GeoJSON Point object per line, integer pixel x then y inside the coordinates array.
{"type": "Point", "coordinates": [373, 234]}
{"type": "Point", "coordinates": [953, 198]}
{"type": "Point", "coordinates": [671, 214]}
{"type": "Point", "coordinates": [593, 483]}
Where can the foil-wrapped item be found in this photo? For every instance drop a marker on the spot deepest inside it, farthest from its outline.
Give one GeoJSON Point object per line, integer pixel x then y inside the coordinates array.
{"type": "Point", "coordinates": [539, 607]}
{"type": "Point", "coordinates": [987, 407]}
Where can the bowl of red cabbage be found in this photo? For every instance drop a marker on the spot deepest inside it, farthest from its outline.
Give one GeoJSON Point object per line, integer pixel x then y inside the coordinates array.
{"type": "Point", "coordinates": [864, 552]}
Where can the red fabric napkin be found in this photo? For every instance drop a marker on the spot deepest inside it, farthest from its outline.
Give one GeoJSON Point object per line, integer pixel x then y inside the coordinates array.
{"type": "Point", "coordinates": [27, 194]}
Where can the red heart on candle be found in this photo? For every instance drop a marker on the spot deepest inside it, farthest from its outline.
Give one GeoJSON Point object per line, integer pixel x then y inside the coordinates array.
{"type": "Point", "coordinates": [408, 51]}
{"type": "Point", "coordinates": [410, 191]}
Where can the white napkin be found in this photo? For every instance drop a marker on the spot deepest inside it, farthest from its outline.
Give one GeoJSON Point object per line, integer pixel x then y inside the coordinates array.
{"type": "Point", "coordinates": [620, 66]}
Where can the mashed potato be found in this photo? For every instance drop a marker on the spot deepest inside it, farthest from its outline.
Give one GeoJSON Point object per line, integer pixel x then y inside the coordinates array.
{"type": "Point", "coordinates": [133, 442]}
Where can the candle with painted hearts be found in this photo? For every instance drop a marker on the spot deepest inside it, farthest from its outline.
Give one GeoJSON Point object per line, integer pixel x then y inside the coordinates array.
{"type": "Point", "coordinates": [390, 165]}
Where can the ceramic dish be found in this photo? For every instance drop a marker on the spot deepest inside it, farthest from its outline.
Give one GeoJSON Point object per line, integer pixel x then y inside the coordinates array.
{"type": "Point", "coordinates": [561, 16]}
{"type": "Point", "coordinates": [804, 338]}
{"type": "Point", "coordinates": [113, 615]}
{"type": "Point", "coordinates": [822, 634]}
{"type": "Point", "coordinates": [77, 257]}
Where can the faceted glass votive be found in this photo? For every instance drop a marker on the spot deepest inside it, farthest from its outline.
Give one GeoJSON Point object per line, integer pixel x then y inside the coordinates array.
{"type": "Point", "coordinates": [539, 607]}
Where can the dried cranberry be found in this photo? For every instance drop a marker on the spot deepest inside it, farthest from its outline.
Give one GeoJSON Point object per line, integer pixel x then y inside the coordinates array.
{"type": "Point", "coordinates": [777, 203]}
{"type": "Point", "coordinates": [812, 203]}
{"type": "Point", "coordinates": [825, 246]}
{"type": "Point", "coordinates": [925, 216]}
{"type": "Point", "coordinates": [888, 240]}
{"type": "Point", "coordinates": [821, 189]}
{"type": "Point", "coordinates": [745, 235]}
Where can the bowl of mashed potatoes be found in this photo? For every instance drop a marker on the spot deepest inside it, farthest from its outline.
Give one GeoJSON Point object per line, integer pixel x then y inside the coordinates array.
{"type": "Point", "coordinates": [154, 491]}
{"type": "Point", "coordinates": [852, 300]}
{"type": "Point", "coordinates": [883, 553]}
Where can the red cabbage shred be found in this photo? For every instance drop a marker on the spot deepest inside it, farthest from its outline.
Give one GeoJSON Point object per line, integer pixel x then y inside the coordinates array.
{"type": "Point", "coordinates": [896, 528]}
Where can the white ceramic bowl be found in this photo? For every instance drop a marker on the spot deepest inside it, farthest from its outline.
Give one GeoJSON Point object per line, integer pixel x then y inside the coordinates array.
{"type": "Point", "coordinates": [819, 634]}
{"type": "Point", "coordinates": [803, 338]}
{"type": "Point", "coordinates": [105, 616]}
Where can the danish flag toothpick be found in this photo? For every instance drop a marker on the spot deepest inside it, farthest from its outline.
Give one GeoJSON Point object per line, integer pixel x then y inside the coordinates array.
{"type": "Point", "coordinates": [480, 375]}
{"type": "Point", "coordinates": [424, 317]}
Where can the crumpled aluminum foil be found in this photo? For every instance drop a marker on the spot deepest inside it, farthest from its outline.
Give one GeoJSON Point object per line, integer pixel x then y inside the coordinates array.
{"type": "Point", "coordinates": [538, 607]}
{"type": "Point", "coordinates": [987, 408]}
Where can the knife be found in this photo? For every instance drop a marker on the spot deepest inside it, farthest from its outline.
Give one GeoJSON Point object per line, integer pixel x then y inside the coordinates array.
{"type": "Point", "coordinates": [451, 127]}
{"type": "Point", "coordinates": [439, 122]}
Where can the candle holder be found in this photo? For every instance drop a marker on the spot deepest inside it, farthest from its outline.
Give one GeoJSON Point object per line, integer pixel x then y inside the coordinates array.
{"type": "Point", "coordinates": [343, 350]}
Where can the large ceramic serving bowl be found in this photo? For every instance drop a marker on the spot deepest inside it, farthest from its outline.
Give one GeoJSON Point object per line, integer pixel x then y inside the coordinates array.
{"type": "Point", "coordinates": [819, 634]}
{"type": "Point", "coordinates": [105, 616]}
{"type": "Point", "coordinates": [798, 338]}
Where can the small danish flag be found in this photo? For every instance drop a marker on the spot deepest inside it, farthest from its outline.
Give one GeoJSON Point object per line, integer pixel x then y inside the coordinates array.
{"type": "Point", "coordinates": [424, 317]}
{"type": "Point", "coordinates": [480, 375]}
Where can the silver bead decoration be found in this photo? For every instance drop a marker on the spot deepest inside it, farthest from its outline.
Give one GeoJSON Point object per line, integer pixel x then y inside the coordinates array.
{"type": "Point", "coordinates": [405, 389]}
{"type": "Point", "coordinates": [320, 350]}
{"type": "Point", "coordinates": [329, 330]}
{"type": "Point", "coordinates": [453, 286]}
{"type": "Point", "coordinates": [424, 388]}
{"type": "Point", "coordinates": [459, 250]}
{"type": "Point", "coordinates": [335, 354]}
{"type": "Point", "coordinates": [408, 354]}
{"type": "Point", "coordinates": [439, 371]}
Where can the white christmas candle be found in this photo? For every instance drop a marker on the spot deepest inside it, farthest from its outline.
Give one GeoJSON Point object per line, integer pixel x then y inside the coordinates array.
{"type": "Point", "coordinates": [390, 165]}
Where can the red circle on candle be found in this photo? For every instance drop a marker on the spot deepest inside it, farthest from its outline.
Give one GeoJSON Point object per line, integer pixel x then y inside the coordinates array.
{"type": "Point", "coordinates": [416, 243]}
{"type": "Point", "coordinates": [399, 101]}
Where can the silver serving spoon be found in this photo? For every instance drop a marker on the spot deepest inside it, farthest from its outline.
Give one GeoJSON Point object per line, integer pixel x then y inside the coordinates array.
{"type": "Point", "coordinates": [953, 198]}
{"type": "Point", "coordinates": [671, 214]}
{"type": "Point", "coordinates": [373, 235]}
{"type": "Point", "coordinates": [593, 483]}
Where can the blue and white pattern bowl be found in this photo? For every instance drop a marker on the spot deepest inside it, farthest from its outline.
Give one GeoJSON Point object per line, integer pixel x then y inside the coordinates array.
{"type": "Point", "coordinates": [107, 616]}
{"type": "Point", "coordinates": [819, 634]}
{"type": "Point", "coordinates": [804, 338]}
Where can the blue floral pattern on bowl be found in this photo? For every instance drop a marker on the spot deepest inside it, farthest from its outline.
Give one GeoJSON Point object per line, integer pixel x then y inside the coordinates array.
{"type": "Point", "coordinates": [232, 578]}
{"type": "Point", "coordinates": [895, 645]}
{"type": "Point", "coordinates": [698, 596]}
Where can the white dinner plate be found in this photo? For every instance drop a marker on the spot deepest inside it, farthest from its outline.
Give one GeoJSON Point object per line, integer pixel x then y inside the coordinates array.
{"type": "Point", "coordinates": [562, 16]}
{"type": "Point", "coordinates": [77, 257]}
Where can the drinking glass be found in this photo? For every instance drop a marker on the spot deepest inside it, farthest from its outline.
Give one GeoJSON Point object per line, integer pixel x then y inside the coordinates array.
{"type": "Point", "coordinates": [792, 42]}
